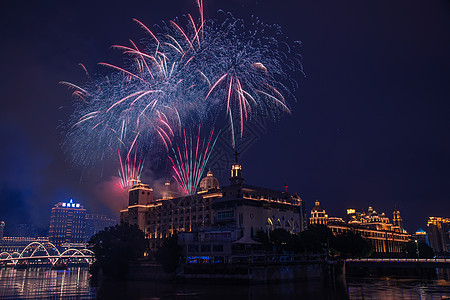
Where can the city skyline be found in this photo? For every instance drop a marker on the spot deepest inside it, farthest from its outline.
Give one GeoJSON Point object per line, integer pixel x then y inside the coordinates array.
{"type": "Point", "coordinates": [369, 127]}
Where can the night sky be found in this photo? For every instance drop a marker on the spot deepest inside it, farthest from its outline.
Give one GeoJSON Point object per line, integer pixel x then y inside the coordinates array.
{"type": "Point", "coordinates": [370, 126]}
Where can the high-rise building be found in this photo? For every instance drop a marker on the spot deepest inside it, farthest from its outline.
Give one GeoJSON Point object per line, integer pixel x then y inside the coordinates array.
{"type": "Point", "coordinates": [439, 234]}
{"type": "Point", "coordinates": [67, 223]}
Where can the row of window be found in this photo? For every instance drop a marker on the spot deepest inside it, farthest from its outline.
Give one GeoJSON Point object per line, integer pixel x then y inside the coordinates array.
{"type": "Point", "coordinates": [205, 248]}
{"type": "Point", "coordinates": [176, 219]}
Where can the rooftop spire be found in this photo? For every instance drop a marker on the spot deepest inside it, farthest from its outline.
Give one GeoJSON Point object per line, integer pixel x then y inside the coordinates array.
{"type": "Point", "coordinates": [236, 155]}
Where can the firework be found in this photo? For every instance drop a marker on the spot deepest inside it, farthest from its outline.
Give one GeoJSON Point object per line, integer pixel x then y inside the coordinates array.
{"type": "Point", "coordinates": [130, 169]}
{"type": "Point", "coordinates": [189, 160]}
{"type": "Point", "coordinates": [218, 71]}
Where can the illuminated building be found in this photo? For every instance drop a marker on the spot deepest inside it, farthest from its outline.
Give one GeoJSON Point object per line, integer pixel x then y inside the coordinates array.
{"type": "Point", "coordinates": [397, 221]}
{"type": "Point", "coordinates": [439, 234]}
{"type": "Point", "coordinates": [209, 182]}
{"type": "Point", "coordinates": [318, 215]}
{"type": "Point", "coordinates": [420, 236]}
{"type": "Point", "coordinates": [18, 243]}
{"type": "Point", "coordinates": [67, 223]}
{"type": "Point", "coordinates": [140, 198]}
{"type": "Point", "coordinates": [351, 211]}
{"type": "Point", "coordinates": [376, 228]}
{"type": "Point", "coordinates": [235, 208]}
{"type": "Point", "coordinates": [167, 193]}
{"type": "Point", "coordinates": [2, 228]}
{"type": "Point", "coordinates": [161, 218]}
{"type": "Point", "coordinates": [253, 208]}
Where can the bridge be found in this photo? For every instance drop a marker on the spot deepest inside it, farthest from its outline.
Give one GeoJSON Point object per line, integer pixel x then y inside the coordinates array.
{"type": "Point", "coordinates": [401, 262]}
{"type": "Point", "coordinates": [46, 251]}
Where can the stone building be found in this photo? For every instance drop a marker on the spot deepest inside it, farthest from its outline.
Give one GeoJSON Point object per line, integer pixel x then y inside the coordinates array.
{"type": "Point", "coordinates": [234, 208]}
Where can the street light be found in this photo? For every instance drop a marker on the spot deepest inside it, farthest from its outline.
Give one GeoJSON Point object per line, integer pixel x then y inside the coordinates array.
{"type": "Point", "coordinates": [417, 249]}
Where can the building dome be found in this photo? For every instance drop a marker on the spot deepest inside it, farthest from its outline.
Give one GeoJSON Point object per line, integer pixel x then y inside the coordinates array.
{"type": "Point", "coordinates": [317, 207]}
{"type": "Point", "coordinates": [318, 215]}
{"type": "Point", "coordinates": [209, 182]}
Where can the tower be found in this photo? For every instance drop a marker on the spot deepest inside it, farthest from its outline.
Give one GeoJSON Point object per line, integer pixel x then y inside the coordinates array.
{"type": "Point", "coordinates": [2, 227]}
{"type": "Point", "coordinates": [167, 193]}
{"type": "Point", "coordinates": [318, 215]}
{"type": "Point", "coordinates": [397, 220]}
{"type": "Point", "coordinates": [139, 197]}
{"type": "Point", "coordinates": [236, 172]}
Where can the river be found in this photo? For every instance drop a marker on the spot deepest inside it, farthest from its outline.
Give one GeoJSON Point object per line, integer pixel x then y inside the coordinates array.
{"type": "Point", "coordinates": [43, 283]}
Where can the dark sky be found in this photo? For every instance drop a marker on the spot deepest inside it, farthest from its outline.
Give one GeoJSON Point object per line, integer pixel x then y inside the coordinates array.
{"type": "Point", "coordinates": [370, 125]}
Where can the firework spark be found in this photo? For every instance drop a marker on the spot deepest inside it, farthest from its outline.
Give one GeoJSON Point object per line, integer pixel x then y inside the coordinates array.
{"type": "Point", "coordinates": [189, 161]}
{"type": "Point", "coordinates": [130, 169]}
{"type": "Point", "coordinates": [217, 71]}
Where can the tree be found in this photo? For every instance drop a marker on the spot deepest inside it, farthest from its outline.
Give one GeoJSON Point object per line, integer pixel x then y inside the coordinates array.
{"type": "Point", "coordinates": [425, 251]}
{"type": "Point", "coordinates": [352, 245]}
{"type": "Point", "coordinates": [169, 254]}
{"type": "Point", "coordinates": [317, 239]}
{"type": "Point", "coordinates": [115, 247]}
{"type": "Point", "coordinates": [279, 240]}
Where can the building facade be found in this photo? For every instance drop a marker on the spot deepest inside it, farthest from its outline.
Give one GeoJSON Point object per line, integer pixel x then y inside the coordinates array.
{"type": "Point", "coordinates": [234, 208]}
{"type": "Point", "coordinates": [385, 237]}
{"type": "Point", "coordinates": [17, 243]}
{"type": "Point", "coordinates": [67, 223]}
{"type": "Point", "coordinates": [2, 229]}
{"type": "Point", "coordinates": [421, 236]}
{"type": "Point", "coordinates": [439, 234]}
{"type": "Point", "coordinates": [318, 215]}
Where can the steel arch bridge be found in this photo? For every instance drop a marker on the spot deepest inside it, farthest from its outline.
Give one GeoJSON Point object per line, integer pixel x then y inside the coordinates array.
{"type": "Point", "coordinates": [46, 251]}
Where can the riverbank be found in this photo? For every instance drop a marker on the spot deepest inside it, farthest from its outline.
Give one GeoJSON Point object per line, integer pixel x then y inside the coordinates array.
{"type": "Point", "coordinates": [238, 273]}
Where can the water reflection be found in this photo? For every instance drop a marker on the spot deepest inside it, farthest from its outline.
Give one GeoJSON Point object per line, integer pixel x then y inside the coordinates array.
{"type": "Point", "coordinates": [45, 283]}
{"type": "Point", "coordinates": [389, 288]}
{"type": "Point", "coordinates": [35, 283]}
{"type": "Point", "coordinates": [276, 291]}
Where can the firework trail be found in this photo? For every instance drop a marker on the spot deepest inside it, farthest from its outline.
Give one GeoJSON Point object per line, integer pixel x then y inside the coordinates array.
{"type": "Point", "coordinates": [130, 169]}
{"type": "Point", "coordinates": [217, 71]}
{"type": "Point", "coordinates": [190, 159]}
{"type": "Point", "coordinates": [242, 70]}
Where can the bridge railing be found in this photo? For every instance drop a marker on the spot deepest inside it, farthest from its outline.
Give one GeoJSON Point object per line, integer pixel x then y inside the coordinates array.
{"type": "Point", "coordinates": [51, 253]}
{"type": "Point", "coordinates": [401, 260]}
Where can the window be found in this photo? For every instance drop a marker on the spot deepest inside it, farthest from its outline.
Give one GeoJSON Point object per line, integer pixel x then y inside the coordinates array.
{"type": "Point", "coordinates": [222, 215]}
{"type": "Point", "coordinates": [206, 248]}
{"type": "Point", "coordinates": [193, 248]}
{"type": "Point", "coordinates": [217, 248]}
